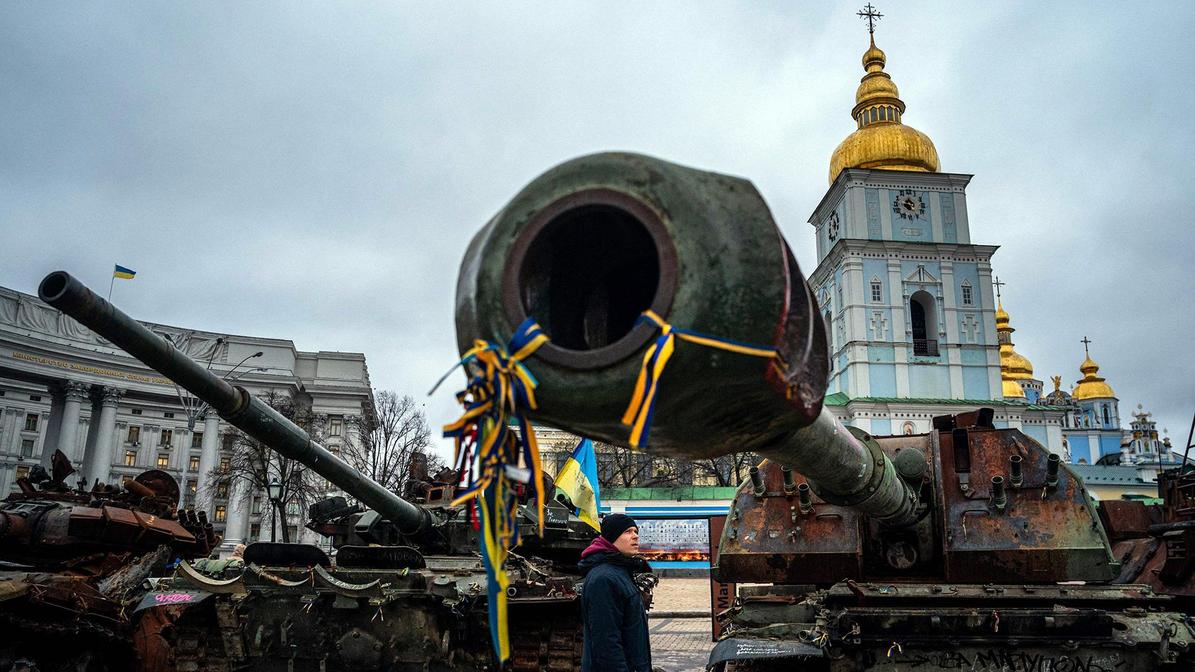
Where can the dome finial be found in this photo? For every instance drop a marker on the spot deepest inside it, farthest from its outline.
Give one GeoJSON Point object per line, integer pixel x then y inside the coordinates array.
{"type": "Point", "coordinates": [870, 15]}
{"type": "Point", "coordinates": [1092, 386]}
{"type": "Point", "coordinates": [1014, 367]}
{"type": "Point", "coordinates": [881, 140]}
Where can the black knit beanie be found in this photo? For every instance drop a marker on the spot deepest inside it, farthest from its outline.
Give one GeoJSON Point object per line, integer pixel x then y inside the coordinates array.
{"type": "Point", "coordinates": [615, 524]}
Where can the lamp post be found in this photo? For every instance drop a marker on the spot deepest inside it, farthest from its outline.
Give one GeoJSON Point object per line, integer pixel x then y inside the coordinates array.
{"type": "Point", "coordinates": [275, 491]}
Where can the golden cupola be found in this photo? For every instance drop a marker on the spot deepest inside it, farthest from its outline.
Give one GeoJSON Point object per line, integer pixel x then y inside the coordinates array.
{"type": "Point", "coordinates": [881, 140]}
{"type": "Point", "coordinates": [1014, 366]}
{"type": "Point", "coordinates": [1091, 386]}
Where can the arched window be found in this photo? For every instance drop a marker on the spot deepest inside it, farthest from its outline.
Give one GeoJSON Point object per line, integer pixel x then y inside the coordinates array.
{"type": "Point", "coordinates": [1107, 416]}
{"type": "Point", "coordinates": [909, 428]}
{"type": "Point", "coordinates": [923, 318]}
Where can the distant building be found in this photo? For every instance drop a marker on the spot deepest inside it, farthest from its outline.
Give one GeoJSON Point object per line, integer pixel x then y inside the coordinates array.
{"type": "Point", "coordinates": [64, 388]}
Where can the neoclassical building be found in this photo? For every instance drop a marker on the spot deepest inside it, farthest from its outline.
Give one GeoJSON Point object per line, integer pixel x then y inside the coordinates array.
{"type": "Point", "coordinates": [64, 388]}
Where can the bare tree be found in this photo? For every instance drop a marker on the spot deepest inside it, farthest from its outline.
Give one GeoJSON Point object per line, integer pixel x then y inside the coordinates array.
{"type": "Point", "coordinates": [622, 467]}
{"type": "Point", "coordinates": [726, 470]}
{"type": "Point", "coordinates": [384, 452]}
{"type": "Point", "coordinates": [250, 465]}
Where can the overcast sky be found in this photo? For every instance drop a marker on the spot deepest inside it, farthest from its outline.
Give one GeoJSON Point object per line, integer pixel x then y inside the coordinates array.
{"type": "Point", "coordinates": [313, 171]}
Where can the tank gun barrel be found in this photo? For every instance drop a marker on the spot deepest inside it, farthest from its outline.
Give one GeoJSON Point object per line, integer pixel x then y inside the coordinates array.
{"type": "Point", "coordinates": [592, 244]}
{"type": "Point", "coordinates": [234, 404]}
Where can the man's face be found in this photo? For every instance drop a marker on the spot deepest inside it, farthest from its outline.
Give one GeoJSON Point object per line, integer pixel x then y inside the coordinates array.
{"type": "Point", "coordinates": [627, 543]}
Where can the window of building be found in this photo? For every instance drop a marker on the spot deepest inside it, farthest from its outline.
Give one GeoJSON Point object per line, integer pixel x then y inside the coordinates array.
{"type": "Point", "coordinates": [136, 411]}
{"type": "Point", "coordinates": [189, 502]}
{"type": "Point", "coordinates": [192, 486]}
{"type": "Point", "coordinates": [27, 448]}
{"type": "Point", "coordinates": [125, 480]}
{"type": "Point", "coordinates": [225, 463]}
{"type": "Point", "coordinates": [31, 422]}
{"type": "Point", "coordinates": [22, 472]}
{"type": "Point", "coordinates": [130, 458]}
{"type": "Point", "coordinates": [292, 508]}
{"type": "Point", "coordinates": [1107, 416]}
{"type": "Point", "coordinates": [134, 434]}
{"type": "Point", "coordinates": [968, 297]}
{"type": "Point", "coordinates": [877, 291]}
{"type": "Point", "coordinates": [168, 414]}
{"type": "Point", "coordinates": [35, 397]}
{"type": "Point", "coordinates": [255, 509]}
{"type": "Point", "coordinates": [334, 449]}
{"type": "Point", "coordinates": [167, 438]}
{"type": "Point", "coordinates": [193, 463]}
{"type": "Point", "coordinates": [922, 315]}
{"type": "Point", "coordinates": [335, 427]}
{"type": "Point", "coordinates": [221, 513]}
{"type": "Point", "coordinates": [909, 428]}
{"type": "Point", "coordinates": [222, 491]}
{"type": "Point", "coordinates": [197, 440]}
{"type": "Point", "coordinates": [255, 532]}
{"type": "Point", "coordinates": [163, 460]}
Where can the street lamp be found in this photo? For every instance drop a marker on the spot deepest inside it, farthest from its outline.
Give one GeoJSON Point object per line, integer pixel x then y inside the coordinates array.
{"type": "Point", "coordinates": [275, 491]}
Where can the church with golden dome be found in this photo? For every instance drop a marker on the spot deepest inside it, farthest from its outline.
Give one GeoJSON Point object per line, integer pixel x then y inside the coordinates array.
{"type": "Point", "coordinates": [915, 327]}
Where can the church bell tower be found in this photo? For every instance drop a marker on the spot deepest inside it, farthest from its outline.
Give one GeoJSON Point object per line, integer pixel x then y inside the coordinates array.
{"type": "Point", "coordinates": [906, 296]}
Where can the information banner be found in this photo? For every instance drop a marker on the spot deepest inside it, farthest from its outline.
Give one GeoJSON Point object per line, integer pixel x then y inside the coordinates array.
{"type": "Point", "coordinates": [684, 539]}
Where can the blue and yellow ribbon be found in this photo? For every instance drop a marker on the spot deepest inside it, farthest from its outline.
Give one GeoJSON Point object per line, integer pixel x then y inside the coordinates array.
{"type": "Point", "coordinates": [639, 412]}
{"type": "Point", "coordinates": [501, 388]}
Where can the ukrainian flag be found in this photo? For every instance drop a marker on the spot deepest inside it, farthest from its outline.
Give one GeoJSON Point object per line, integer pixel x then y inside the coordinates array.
{"type": "Point", "coordinates": [122, 272]}
{"type": "Point", "coordinates": [578, 480]}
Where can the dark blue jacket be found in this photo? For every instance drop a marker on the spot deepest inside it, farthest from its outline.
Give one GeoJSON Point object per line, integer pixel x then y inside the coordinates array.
{"type": "Point", "coordinates": [615, 620]}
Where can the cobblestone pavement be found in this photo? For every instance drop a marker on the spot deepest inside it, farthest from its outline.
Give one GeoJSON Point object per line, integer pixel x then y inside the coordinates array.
{"type": "Point", "coordinates": [680, 644]}
{"type": "Point", "coordinates": [682, 595]}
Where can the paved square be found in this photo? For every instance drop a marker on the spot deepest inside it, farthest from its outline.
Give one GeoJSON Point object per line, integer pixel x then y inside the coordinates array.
{"type": "Point", "coordinates": [680, 644]}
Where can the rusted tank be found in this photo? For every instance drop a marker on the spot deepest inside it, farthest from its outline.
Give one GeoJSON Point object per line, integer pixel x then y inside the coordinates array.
{"type": "Point", "coordinates": [406, 589]}
{"type": "Point", "coordinates": [679, 321]}
{"type": "Point", "coordinates": [73, 564]}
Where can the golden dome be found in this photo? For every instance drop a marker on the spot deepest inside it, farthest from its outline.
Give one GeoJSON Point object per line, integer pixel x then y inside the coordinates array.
{"type": "Point", "coordinates": [1092, 386]}
{"type": "Point", "coordinates": [881, 140]}
{"type": "Point", "coordinates": [1013, 365]}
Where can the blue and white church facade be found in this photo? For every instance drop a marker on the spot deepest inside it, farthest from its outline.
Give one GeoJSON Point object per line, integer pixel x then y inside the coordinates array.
{"type": "Point", "coordinates": [907, 297]}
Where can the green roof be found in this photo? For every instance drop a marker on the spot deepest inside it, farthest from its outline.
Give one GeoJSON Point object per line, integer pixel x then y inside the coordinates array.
{"type": "Point", "coordinates": [688, 492]}
{"type": "Point", "coordinates": [840, 399]}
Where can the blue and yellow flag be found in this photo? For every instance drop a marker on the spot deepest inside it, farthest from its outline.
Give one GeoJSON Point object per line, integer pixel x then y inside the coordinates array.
{"type": "Point", "coordinates": [124, 273]}
{"type": "Point", "coordinates": [578, 479]}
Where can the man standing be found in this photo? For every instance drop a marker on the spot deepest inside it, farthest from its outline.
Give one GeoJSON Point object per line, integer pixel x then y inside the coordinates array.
{"type": "Point", "coordinates": [615, 619]}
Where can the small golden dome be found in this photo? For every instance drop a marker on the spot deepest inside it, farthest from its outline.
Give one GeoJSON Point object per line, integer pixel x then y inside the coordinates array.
{"type": "Point", "coordinates": [1013, 365]}
{"type": "Point", "coordinates": [1012, 390]}
{"type": "Point", "coordinates": [881, 140]}
{"type": "Point", "coordinates": [1092, 386]}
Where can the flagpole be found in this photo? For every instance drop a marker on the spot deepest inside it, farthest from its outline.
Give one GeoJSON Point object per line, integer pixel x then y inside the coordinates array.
{"type": "Point", "coordinates": [110, 283]}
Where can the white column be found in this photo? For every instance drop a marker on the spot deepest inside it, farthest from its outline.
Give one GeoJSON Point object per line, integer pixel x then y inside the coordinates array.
{"type": "Point", "coordinates": [54, 427]}
{"type": "Point", "coordinates": [105, 430]}
{"type": "Point", "coordinates": [237, 520]}
{"type": "Point", "coordinates": [68, 433]}
{"type": "Point", "coordinates": [10, 438]}
{"type": "Point", "coordinates": [209, 456]}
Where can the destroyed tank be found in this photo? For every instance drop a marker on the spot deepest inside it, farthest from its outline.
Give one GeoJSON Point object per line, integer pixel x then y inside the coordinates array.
{"type": "Point", "coordinates": [74, 561]}
{"type": "Point", "coordinates": [680, 321]}
{"type": "Point", "coordinates": [406, 589]}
